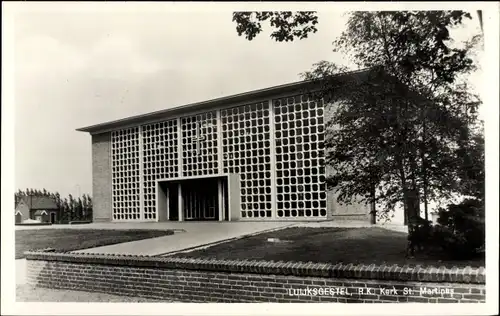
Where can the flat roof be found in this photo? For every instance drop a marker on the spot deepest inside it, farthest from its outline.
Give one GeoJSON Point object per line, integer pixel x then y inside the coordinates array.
{"type": "Point", "coordinates": [227, 100]}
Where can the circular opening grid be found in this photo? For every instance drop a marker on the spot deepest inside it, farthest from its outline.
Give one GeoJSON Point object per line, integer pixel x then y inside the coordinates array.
{"type": "Point", "coordinates": [298, 126]}
{"type": "Point", "coordinates": [246, 135]}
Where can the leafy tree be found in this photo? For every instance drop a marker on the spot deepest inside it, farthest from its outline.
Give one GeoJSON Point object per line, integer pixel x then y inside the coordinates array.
{"type": "Point", "coordinates": [19, 195]}
{"type": "Point", "coordinates": [89, 207]}
{"type": "Point", "coordinates": [79, 206]}
{"type": "Point", "coordinates": [287, 25]}
{"type": "Point", "coordinates": [415, 48]}
{"type": "Point", "coordinates": [86, 207]}
{"type": "Point", "coordinates": [71, 207]}
{"type": "Point", "coordinates": [471, 171]}
{"type": "Point", "coordinates": [66, 210]}
{"type": "Point", "coordinates": [411, 122]}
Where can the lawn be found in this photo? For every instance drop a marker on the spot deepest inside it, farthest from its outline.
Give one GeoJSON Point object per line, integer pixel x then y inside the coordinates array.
{"type": "Point", "coordinates": [76, 239]}
{"type": "Point", "coordinates": [328, 245]}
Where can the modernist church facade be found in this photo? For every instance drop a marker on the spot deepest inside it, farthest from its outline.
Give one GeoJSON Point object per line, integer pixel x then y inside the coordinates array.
{"type": "Point", "coordinates": [254, 156]}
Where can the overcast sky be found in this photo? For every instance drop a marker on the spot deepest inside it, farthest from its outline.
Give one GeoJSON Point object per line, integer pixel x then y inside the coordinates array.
{"type": "Point", "coordinates": [77, 67]}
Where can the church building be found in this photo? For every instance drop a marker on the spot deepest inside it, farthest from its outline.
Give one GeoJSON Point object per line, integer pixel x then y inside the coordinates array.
{"type": "Point", "coordinates": [258, 155]}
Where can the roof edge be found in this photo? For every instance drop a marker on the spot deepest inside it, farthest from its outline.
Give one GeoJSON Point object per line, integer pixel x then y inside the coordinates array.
{"type": "Point", "coordinates": [116, 124]}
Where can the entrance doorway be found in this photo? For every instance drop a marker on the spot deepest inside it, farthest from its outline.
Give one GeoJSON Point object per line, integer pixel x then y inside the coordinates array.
{"type": "Point", "coordinates": [53, 218]}
{"type": "Point", "coordinates": [194, 199]}
{"type": "Point", "coordinates": [200, 199]}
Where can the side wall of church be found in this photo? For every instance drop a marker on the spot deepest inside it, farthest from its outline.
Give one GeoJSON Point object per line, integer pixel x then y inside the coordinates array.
{"type": "Point", "coordinates": [101, 177]}
{"type": "Point", "coordinates": [337, 211]}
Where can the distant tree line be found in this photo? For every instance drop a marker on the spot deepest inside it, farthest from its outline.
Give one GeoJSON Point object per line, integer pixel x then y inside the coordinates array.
{"type": "Point", "coordinates": [71, 208]}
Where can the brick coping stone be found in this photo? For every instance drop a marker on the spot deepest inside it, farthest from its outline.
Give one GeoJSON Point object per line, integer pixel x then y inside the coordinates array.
{"type": "Point", "coordinates": [305, 269]}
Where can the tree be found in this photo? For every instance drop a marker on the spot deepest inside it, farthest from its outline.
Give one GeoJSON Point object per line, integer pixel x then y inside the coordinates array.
{"type": "Point", "coordinates": [71, 208]}
{"type": "Point", "coordinates": [471, 171]}
{"type": "Point", "coordinates": [18, 196]}
{"type": "Point", "coordinates": [287, 25]}
{"type": "Point", "coordinates": [406, 124]}
{"type": "Point", "coordinates": [89, 207]}
{"type": "Point", "coordinates": [79, 209]}
{"type": "Point", "coordinates": [66, 210]}
{"type": "Point", "coordinates": [414, 48]}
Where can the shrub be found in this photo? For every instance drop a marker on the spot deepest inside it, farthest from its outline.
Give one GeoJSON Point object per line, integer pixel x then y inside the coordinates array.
{"type": "Point", "coordinates": [461, 229]}
{"type": "Point", "coordinates": [420, 236]}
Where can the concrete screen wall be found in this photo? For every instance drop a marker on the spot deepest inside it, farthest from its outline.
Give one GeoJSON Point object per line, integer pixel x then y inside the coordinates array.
{"type": "Point", "coordinates": [275, 146]}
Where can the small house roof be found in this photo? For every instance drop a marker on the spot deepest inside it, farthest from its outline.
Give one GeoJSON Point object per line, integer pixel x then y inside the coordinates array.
{"type": "Point", "coordinates": [40, 212]}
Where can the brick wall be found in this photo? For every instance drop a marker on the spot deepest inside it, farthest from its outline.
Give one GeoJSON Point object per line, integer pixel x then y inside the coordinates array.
{"type": "Point", "coordinates": [101, 177]}
{"type": "Point", "coordinates": [196, 280]}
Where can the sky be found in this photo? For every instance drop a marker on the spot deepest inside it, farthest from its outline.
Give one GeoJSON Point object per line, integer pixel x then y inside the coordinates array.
{"type": "Point", "coordinates": [78, 66]}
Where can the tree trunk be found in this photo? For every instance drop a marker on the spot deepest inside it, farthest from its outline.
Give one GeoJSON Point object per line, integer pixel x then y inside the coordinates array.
{"type": "Point", "coordinates": [405, 214]}
{"type": "Point", "coordinates": [412, 205]}
{"type": "Point", "coordinates": [424, 167]}
{"type": "Point", "coordinates": [373, 212]}
{"type": "Point", "coordinates": [405, 192]}
{"type": "Point", "coordinates": [426, 210]}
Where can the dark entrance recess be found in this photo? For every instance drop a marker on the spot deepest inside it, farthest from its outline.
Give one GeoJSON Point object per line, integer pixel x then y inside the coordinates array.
{"type": "Point", "coordinates": [53, 218]}
{"type": "Point", "coordinates": [171, 188]}
{"type": "Point", "coordinates": [200, 199]}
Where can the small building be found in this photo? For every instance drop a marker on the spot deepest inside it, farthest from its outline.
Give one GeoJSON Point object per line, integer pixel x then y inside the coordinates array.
{"type": "Point", "coordinates": [40, 208]}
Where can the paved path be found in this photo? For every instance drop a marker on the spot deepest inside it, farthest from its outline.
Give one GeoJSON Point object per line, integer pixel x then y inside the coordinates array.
{"type": "Point", "coordinates": [188, 235]}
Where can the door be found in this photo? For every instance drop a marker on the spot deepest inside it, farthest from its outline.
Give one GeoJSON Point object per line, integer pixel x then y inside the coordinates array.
{"type": "Point", "coordinates": [200, 199]}
{"type": "Point", "coordinates": [173, 202]}
{"type": "Point", "coordinates": [53, 218]}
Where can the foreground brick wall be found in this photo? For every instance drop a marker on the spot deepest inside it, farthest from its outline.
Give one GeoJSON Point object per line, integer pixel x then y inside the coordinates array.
{"type": "Point", "coordinates": [195, 280]}
{"type": "Point", "coordinates": [101, 177]}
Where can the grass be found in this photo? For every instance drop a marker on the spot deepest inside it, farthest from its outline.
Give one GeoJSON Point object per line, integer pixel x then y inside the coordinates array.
{"type": "Point", "coordinates": [76, 239]}
{"type": "Point", "coordinates": [327, 245]}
